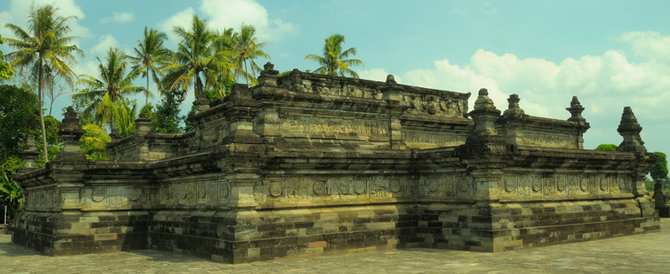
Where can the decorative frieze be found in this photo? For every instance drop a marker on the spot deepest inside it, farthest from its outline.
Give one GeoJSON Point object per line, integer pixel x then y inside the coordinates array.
{"type": "Point", "coordinates": [561, 186]}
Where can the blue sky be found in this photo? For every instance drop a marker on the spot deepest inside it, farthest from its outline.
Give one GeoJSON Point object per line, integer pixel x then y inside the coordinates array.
{"type": "Point", "coordinates": [610, 54]}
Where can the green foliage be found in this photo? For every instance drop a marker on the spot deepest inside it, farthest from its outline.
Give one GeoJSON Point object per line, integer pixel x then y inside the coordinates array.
{"type": "Point", "coordinates": [150, 57]}
{"type": "Point", "coordinates": [648, 184]}
{"type": "Point", "coordinates": [54, 143]}
{"type": "Point", "coordinates": [45, 51]}
{"type": "Point", "coordinates": [198, 60]}
{"type": "Point", "coordinates": [113, 83]}
{"type": "Point", "coordinates": [124, 118]}
{"type": "Point", "coordinates": [18, 114]}
{"type": "Point", "coordinates": [333, 60]}
{"type": "Point", "coordinates": [606, 147]}
{"type": "Point", "coordinates": [10, 192]}
{"type": "Point", "coordinates": [147, 110]}
{"type": "Point", "coordinates": [85, 106]}
{"type": "Point", "coordinates": [94, 142]}
{"type": "Point", "coordinates": [6, 70]}
{"type": "Point", "coordinates": [660, 170]}
{"type": "Point", "coordinates": [246, 48]}
{"type": "Point", "coordinates": [166, 118]}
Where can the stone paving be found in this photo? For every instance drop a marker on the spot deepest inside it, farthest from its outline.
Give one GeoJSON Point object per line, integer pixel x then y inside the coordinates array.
{"type": "Point", "coordinates": [647, 253]}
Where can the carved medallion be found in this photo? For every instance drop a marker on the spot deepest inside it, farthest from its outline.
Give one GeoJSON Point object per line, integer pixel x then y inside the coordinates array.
{"type": "Point", "coordinates": [98, 195]}
{"type": "Point", "coordinates": [360, 186]}
{"type": "Point", "coordinates": [276, 188]}
{"type": "Point", "coordinates": [604, 183]}
{"type": "Point", "coordinates": [464, 184]}
{"type": "Point", "coordinates": [537, 184]}
{"type": "Point", "coordinates": [134, 194]}
{"type": "Point", "coordinates": [560, 183]}
{"type": "Point", "coordinates": [509, 183]}
{"type": "Point", "coordinates": [433, 185]}
{"type": "Point", "coordinates": [395, 185]}
{"type": "Point", "coordinates": [224, 187]}
{"type": "Point", "coordinates": [319, 187]}
{"type": "Point", "coordinates": [584, 184]}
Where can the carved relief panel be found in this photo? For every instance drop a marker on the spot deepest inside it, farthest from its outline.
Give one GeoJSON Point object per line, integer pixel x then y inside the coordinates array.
{"type": "Point", "coordinates": [345, 187]}
{"type": "Point", "coordinates": [44, 199]}
{"type": "Point", "coordinates": [562, 186]}
{"type": "Point", "coordinates": [433, 105]}
{"type": "Point", "coordinates": [114, 197]}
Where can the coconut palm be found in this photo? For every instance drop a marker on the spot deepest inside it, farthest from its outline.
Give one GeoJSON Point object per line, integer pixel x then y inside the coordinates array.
{"type": "Point", "coordinates": [111, 86]}
{"type": "Point", "coordinates": [224, 45]}
{"type": "Point", "coordinates": [247, 49]}
{"type": "Point", "coordinates": [150, 56]}
{"type": "Point", "coordinates": [124, 118]}
{"type": "Point", "coordinates": [196, 57]}
{"type": "Point", "coordinates": [333, 61]}
{"type": "Point", "coordinates": [45, 50]}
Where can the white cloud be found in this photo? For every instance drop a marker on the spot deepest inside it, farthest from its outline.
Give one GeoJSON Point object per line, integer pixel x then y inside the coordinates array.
{"type": "Point", "coordinates": [181, 19]}
{"type": "Point", "coordinates": [233, 13]}
{"type": "Point", "coordinates": [104, 43]}
{"type": "Point", "coordinates": [649, 44]}
{"type": "Point", "coordinates": [603, 83]}
{"type": "Point", "coordinates": [19, 10]}
{"type": "Point", "coordinates": [376, 74]}
{"type": "Point", "coordinates": [222, 14]}
{"type": "Point", "coordinates": [122, 17]}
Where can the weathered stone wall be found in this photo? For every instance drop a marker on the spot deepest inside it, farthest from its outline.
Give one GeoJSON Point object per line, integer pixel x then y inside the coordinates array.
{"type": "Point", "coordinates": [307, 164]}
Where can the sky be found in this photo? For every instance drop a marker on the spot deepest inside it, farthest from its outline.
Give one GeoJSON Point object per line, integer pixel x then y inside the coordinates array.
{"type": "Point", "coordinates": [610, 54]}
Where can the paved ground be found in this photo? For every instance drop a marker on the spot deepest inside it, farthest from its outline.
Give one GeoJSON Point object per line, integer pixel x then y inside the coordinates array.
{"type": "Point", "coordinates": [648, 253]}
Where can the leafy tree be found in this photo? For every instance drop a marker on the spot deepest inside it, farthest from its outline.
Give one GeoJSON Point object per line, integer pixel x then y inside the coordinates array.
{"type": "Point", "coordinates": [10, 191]}
{"type": "Point", "coordinates": [18, 114]}
{"type": "Point", "coordinates": [148, 111]}
{"type": "Point", "coordinates": [150, 57]}
{"type": "Point", "coordinates": [333, 60]}
{"type": "Point", "coordinates": [660, 170]}
{"type": "Point", "coordinates": [54, 143]}
{"type": "Point", "coordinates": [46, 53]}
{"type": "Point", "coordinates": [94, 142]}
{"type": "Point", "coordinates": [85, 106]}
{"type": "Point", "coordinates": [226, 77]}
{"type": "Point", "coordinates": [166, 117]}
{"type": "Point", "coordinates": [6, 71]}
{"type": "Point", "coordinates": [111, 87]}
{"type": "Point", "coordinates": [196, 59]}
{"type": "Point", "coordinates": [247, 49]}
{"type": "Point", "coordinates": [606, 147]}
{"type": "Point", "coordinates": [124, 118]}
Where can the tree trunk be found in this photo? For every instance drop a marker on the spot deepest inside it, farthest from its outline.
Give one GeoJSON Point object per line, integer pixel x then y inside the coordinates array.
{"type": "Point", "coordinates": [51, 102]}
{"type": "Point", "coordinates": [40, 84]}
{"type": "Point", "coordinates": [246, 70]}
{"type": "Point", "coordinates": [146, 93]}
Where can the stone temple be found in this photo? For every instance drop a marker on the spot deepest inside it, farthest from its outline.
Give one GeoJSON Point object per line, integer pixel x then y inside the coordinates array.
{"type": "Point", "coordinates": [306, 164]}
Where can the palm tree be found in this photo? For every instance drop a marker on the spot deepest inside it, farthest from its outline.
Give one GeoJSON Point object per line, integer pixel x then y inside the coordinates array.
{"type": "Point", "coordinates": [111, 86]}
{"type": "Point", "coordinates": [150, 55]}
{"type": "Point", "coordinates": [46, 53]}
{"type": "Point", "coordinates": [333, 61]}
{"type": "Point", "coordinates": [246, 50]}
{"type": "Point", "coordinates": [196, 55]}
{"type": "Point", "coordinates": [124, 118]}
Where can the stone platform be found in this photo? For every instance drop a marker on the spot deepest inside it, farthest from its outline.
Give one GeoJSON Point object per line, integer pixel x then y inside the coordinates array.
{"type": "Point", "coordinates": [643, 253]}
{"type": "Point", "coordinates": [306, 164]}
